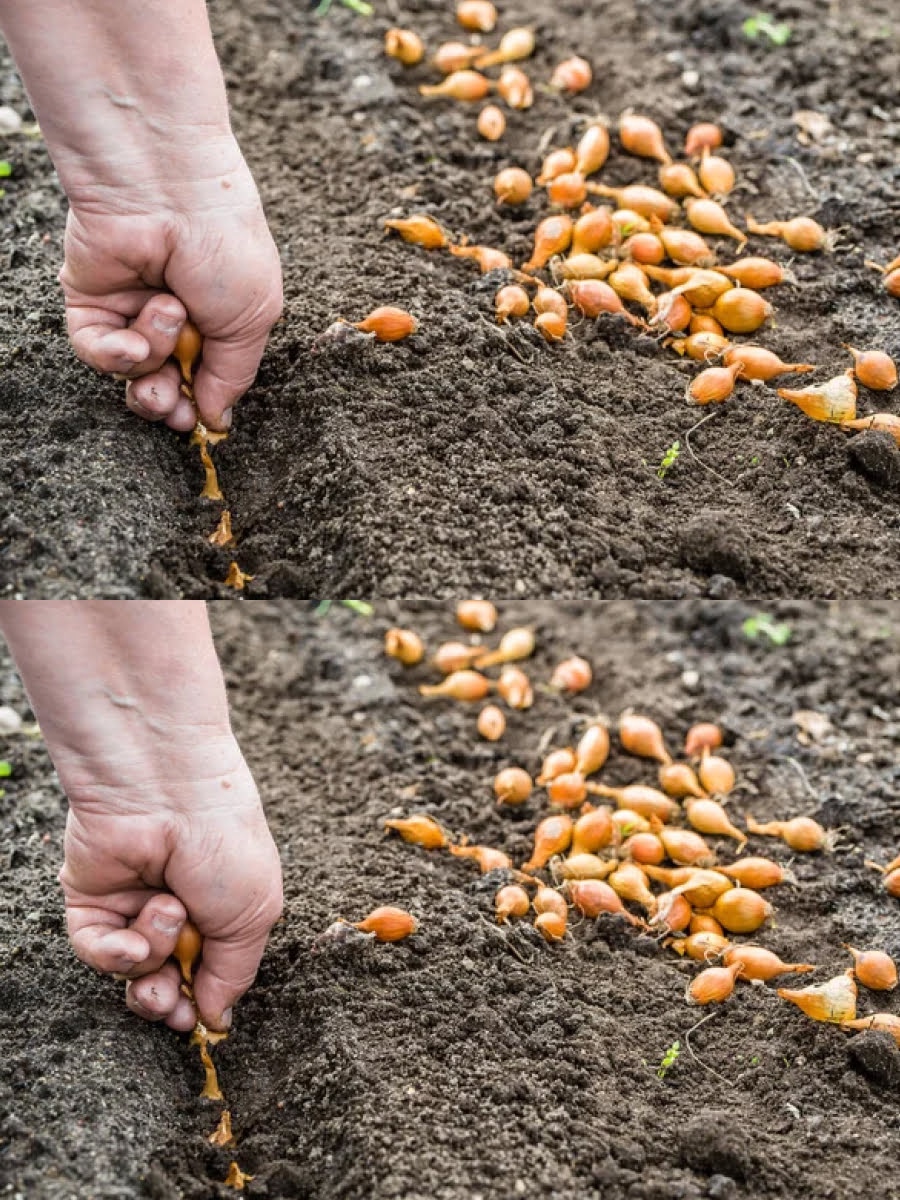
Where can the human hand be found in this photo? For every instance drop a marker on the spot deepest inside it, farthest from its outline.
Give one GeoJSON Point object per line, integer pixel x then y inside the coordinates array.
{"type": "Point", "coordinates": [141, 256]}
{"type": "Point", "coordinates": [139, 858]}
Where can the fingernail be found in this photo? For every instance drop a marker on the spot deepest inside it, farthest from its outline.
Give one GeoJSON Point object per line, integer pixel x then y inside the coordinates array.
{"type": "Point", "coordinates": [166, 924]}
{"type": "Point", "coordinates": [226, 1018]}
{"type": "Point", "coordinates": [226, 417]}
{"type": "Point", "coordinates": [165, 324]}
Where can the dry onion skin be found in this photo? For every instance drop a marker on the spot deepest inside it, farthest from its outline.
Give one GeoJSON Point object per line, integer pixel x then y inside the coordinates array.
{"type": "Point", "coordinates": [874, 369]}
{"type": "Point", "coordinates": [833, 1001]}
{"type": "Point", "coordinates": [388, 324]}
{"type": "Point", "coordinates": [874, 969]}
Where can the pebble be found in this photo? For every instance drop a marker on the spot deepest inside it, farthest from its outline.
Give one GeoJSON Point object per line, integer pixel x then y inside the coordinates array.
{"type": "Point", "coordinates": [10, 721]}
{"type": "Point", "coordinates": [10, 121]}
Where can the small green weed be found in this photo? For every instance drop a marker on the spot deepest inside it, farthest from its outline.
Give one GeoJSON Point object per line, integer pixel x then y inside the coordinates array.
{"type": "Point", "coordinates": [762, 626]}
{"type": "Point", "coordinates": [358, 6]}
{"type": "Point", "coordinates": [763, 25]}
{"type": "Point", "coordinates": [668, 1061]}
{"type": "Point", "coordinates": [5, 772]}
{"type": "Point", "coordinates": [668, 460]}
{"type": "Point", "coordinates": [362, 608]}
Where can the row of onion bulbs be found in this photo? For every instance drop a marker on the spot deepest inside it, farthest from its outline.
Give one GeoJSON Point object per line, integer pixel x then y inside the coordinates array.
{"type": "Point", "coordinates": [599, 859]}
{"type": "Point", "coordinates": [605, 259]}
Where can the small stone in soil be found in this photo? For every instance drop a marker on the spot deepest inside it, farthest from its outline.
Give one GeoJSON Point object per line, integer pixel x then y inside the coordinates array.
{"type": "Point", "coordinates": [875, 1055]}
{"type": "Point", "coordinates": [877, 456]}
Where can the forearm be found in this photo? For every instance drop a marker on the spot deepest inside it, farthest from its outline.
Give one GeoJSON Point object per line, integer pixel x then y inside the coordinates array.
{"type": "Point", "coordinates": [123, 89]}
{"type": "Point", "coordinates": [127, 693]}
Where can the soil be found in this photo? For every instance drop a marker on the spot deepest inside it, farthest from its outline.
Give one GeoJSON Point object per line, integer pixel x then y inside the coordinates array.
{"type": "Point", "coordinates": [473, 1061]}
{"type": "Point", "coordinates": [473, 457]}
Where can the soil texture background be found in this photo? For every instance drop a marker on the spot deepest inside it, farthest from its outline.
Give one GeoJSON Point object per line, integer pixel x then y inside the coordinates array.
{"type": "Point", "coordinates": [473, 1061]}
{"type": "Point", "coordinates": [472, 457]}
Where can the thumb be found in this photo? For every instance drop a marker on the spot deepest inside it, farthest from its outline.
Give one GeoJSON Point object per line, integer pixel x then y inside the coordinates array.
{"type": "Point", "coordinates": [225, 973]}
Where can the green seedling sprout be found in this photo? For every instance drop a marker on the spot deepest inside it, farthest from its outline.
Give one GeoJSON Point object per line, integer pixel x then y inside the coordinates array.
{"type": "Point", "coordinates": [762, 626]}
{"type": "Point", "coordinates": [362, 608]}
{"type": "Point", "coordinates": [5, 772]}
{"type": "Point", "coordinates": [669, 1059]}
{"type": "Point", "coordinates": [357, 6]}
{"type": "Point", "coordinates": [762, 25]}
{"type": "Point", "coordinates": [668, 460]}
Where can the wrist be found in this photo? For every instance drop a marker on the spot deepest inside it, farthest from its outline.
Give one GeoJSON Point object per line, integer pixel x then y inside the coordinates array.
{"type": "Point", "coordinates": [157, 775]}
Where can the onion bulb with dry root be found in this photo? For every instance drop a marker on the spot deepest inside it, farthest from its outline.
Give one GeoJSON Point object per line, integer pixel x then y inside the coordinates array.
{"type": "Point", "coordinates": [713, 985]}
{"type": "Point", "coordinates": [874, 369]}
{"type": "Point", "coordinates": [491, 123]}
{"type": "Point", "coordinates": [458, 685]}
{"type": "Point", "coordinates": [741, 310]}
{"type": "Point", "coordinates": [187, 350]}
{"type": "Point", "coordinates": [419, 830]}
{"type": "Point", "coordinates": [708, 816]}
{"type": "Point", "coordinates": [514, 87]}
{"type": "Point", "coordinates": [515, 688]}
{"type": "Point", "coordinates": [567, 791]}
{"type": "Point", "coordinates": [548, 899]}
{"type": "Point", "coordinates": [551, 925]}
{"type": "Point", "coordinates": [629, 882]}
{"type": "Point", "coordinates": [592, 831]}
{"type": "Point", "coordinates": [759, 363]}
{"type": "Point", "coordinates": [592, 750]}
{"type": "Point", "coordinates": [886, 1022]}
{"type": "Point", "coordinates": [480, 616]}
{"type": "Point", "coordinates": [551, 837]}
{"type": "Point", "coordinates": [487, 858]}
{"type": "Point", "coordinates": [678, 179]}
{"type": "Point", "coordinates": [479, 16]}
{"type": "Point", "coordinates": [512, 185]}
{"type": "Point", "coordinates": [834, 400]}
{"type": "Point", "coordinates": [874, 969]}
{"type": "Point", "coordinates": [716, 174]}
{"type": "Point", "coordinates": [388, 324]}
{"type": "Point", "coordinates": [880, 422]}
{"type": "Point", "coordinates": [677, 779]}
{"type": "Point", "coordinates": [708, 216]}
{"type": "Point", "coordinates": [388, 924]}
{"type": "Point", "coordinates": [454, 56]}
{"type": "Point", "coordinates": [802, 233]}
{"type": "Point", "coordinates": [551, 237]}
{"type": "Point", "coordinates": [754, 272]}
{"type": "Point", "coordinates": [491, 723]}
{"type": "Point", "coordinates": [404, 645]}
{"type": "Point", "coordinates": [512, 785]}
{"type": "Point", "coordinates": [187, 950]}
{"type": "Point", "coordinates": [716, 774]}
{"type": "Point", "coordinates": [642, 137]}
{"type": "Point", "coordinates": [420, 230]}
{"type": "Point", "coordinates": [700, 737]}
{"type": "Point", "coordinates": [458, 85]}
{"type": "Point", "coordinates": [557, 762]}
{"type": "Point", "coordinates": [832, 1001]}
{"type": "Point", "coordinates": [572, 675]}
{"type": "Point", "coordinates": [515, 644]}
{"type": "Point", "coordinates": [713, 385]}
{"type": "Point", "coordinates": [759, 963]}
{"type": "Point", "coordinates": [511, 301]}
{"type": "Point", "coordinates": [802, 833]}
{"type": "Point", "coordinates": [572, 75]}
{"type": "Point", "coordinates": [515, 44]}
{"type": "Point", "coordinates": [454, 656]}
{"type": "Point", "coordinates": [511, 901]}
{"type": "Point", "coordinates": [592, 150]}
{"type": "Point", "coordinates": [700, 137]}
{"type": "Point", "coordinates": [757, 873]}
{"type": "Point", "coordinates": [404, 45]}
{"type": "Point", "coordinates": [592, 231]}
{"type": "Point", "coordinates": [741, 910]}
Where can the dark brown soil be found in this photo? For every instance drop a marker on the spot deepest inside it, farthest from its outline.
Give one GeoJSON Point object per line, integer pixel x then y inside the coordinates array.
{"type": "Point", "coordinates": [469, 457]}
{"type": "Point", "coordinates": [469, 1061]}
